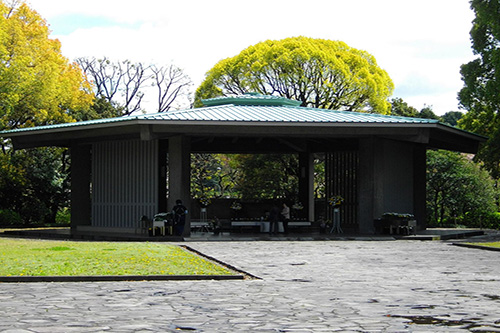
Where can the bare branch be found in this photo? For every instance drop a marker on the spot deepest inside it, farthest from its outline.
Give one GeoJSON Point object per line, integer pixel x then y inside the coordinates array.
{"type": "Point", "coordinates": [171, 83]}
{"type": "Point", "coordinates": [124, 83]}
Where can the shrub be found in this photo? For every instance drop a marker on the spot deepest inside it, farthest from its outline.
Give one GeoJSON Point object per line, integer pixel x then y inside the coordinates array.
{"type": "Point", "coordinates": [490, 221]}
{"type": "Point", "coordinates": [63, 217]}
{"type": "Point", "coordinates": [10, 218]}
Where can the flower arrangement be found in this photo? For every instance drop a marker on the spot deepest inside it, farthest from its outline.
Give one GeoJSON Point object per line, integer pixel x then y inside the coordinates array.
{"type": "Point", "coordinates": [205, 202]}
{"type": "Point", "coordinates": [397, 215]}
{"type": "Point", "coordinates": [335, 201]}
{"type": "Point", "coordinates": [297, 206]}
{"type": "Point", "coordinates": [235, 206]}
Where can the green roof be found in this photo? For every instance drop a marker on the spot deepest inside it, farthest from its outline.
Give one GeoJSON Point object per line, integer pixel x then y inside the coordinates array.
{"type": "Point", "coordinates": [251, 99]}
{"type": "Point", "coordinates": [251, 114]}
{"type": "Point", "coordinates": [249, 108]}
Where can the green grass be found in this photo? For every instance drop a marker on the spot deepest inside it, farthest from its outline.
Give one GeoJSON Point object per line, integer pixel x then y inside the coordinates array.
{"type": "Point", "coordinates": [493, 244]}
{"type": "Point", "coordinates": [20, 257]}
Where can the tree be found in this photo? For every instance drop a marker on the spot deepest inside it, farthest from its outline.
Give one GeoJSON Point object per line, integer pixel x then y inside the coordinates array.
{"type": "Point", "coordinates": [268, 176]}
{"type": "Point", "coordinates": [124, 84]}
{"type": "Point", "coordinates": [319, 73]}
{"type": "Point", "coordinates": [204, 175]}
{"type": "Point", "coordinates": [452, 117]}
{"type": "Point", "coordinates": [101, 108]}
{"type": "Point", "coordinates": [480, 95]}
{"type": "Point", "coordinates": [401, 108]}
{"type": "Point", "coordinates": [37, 84]}
{"type": "Point", "coordinates": [170, 82]}
{"type": "Point", "coordinates": [457, 188]}
{"type": "Point", "coordinates": [427, 113]}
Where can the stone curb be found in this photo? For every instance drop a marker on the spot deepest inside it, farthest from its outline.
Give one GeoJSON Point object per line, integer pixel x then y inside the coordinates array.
{"type": "Point", "coordinates": [101, 278]}
{"type": "Point", "coordinates": [248, 275]}
{"type": "Point", "coordinates": [479, 247]}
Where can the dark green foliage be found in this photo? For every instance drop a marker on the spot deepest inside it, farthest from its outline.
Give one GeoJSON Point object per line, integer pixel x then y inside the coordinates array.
{"type": "Point", "coordinates": [213, 176]}
{"type": "Point", "coordinates": [204, 178]}
{"type": "Point", "coordinates": [101, 108]}
{"type": "Point", "coordinates": [480, 95]}
{"type": "Point", "coordinates": [457, 189]}
{"type": "Point", "coordinates": [489, 221]}
{"type": "Point", "coordinates": [452, 118]}
{"type": "Point", "coordinates": [37, 186]}
{"type": "Point", "coordinates": [427, 113]}
{"type": "Point", "coordinates": [401, 108]}
{"type": "Point", "coordinates": [63, 217]}
{"type": "Point", "coordinates": [268, 176]}
{"type": "Point", "coordinates": [9, 218]}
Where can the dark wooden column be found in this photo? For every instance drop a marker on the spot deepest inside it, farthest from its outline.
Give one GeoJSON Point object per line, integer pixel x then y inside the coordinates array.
{"type": "Point", "coordinates": [162, 176]}
{"type": "Point", "coordinates": [390, 180]}
{"type": "Point", "coordinates": [419, 186]}
{"type": "Point", "coordinates": [179, 164]}
{"type": "Point", "coordinates": [80, 186]}
{"type": "Point", "coordinates": [368, 198]}
{"type": "Point", "coordinates": [306, 183]}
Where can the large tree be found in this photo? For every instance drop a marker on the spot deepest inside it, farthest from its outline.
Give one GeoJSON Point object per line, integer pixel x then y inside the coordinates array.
{"type": "Point", "coordinates": [37, 84]}
{"type": "Point", "coordinates": [480, 95]}
{"type": "Point", "coordinates": [319, 73]}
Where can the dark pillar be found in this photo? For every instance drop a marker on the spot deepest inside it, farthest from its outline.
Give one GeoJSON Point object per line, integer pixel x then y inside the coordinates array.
{"type": "Point", "coordinates": [306, 183]}
{"type": "Point", "coordinates": [162, 177]}
{"type": "Point", "coordinates": [388, 177]}
{"type": "Point", "coordinates": [419, 186]}
{"type": "Point", "coordinates": [80, 186]}
{"type": "Point", "coordinates": [179, 164]}
{"type": "Point", "coordinates": [367, 185]}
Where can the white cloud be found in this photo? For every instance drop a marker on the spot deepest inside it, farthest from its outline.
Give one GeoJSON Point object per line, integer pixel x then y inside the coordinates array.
{"type": "Point", "coordinates": [421, 44]}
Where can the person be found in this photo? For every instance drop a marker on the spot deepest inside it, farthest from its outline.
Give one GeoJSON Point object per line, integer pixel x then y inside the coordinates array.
{"type": "Point", "coordinates": [179, 211]}
{"type": "Point", "coordinates": [274, 217]}
{"type": "Point", "coordinates": [285, 217]}
{"type": "Point", "coordinates": [217, 225]}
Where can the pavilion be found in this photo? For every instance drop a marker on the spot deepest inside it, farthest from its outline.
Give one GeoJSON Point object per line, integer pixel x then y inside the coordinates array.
{"type": "Point", "coordinates": [119, 165]}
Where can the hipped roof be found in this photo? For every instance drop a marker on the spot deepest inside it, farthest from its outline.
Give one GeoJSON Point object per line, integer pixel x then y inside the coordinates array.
{"type": "Point", "coordinates": [250, 115]}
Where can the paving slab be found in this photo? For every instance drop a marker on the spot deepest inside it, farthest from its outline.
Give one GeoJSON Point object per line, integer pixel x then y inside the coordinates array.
{"type": "Point", "coordinates": [316, 286]}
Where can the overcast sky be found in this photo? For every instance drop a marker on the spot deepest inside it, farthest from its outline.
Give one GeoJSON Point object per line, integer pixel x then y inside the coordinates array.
{"type": "Point", "coordinates": [421, 44]}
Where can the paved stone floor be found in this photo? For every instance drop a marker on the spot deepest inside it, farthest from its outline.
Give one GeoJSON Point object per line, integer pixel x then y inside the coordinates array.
{"type": "Point", "coordinates": [321, 286]}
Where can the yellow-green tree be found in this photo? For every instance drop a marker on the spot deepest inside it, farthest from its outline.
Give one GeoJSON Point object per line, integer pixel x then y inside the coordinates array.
{"type": "Point", "coordinates": [320, 73]}
{"type": "Point", "coordinates": [38, 85]}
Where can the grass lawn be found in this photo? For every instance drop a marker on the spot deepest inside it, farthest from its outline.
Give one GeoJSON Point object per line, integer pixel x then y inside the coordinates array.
{"type": "Point", "coordinates": [493, 244]}
{"type": "Point", "coordinates": [19, 257]}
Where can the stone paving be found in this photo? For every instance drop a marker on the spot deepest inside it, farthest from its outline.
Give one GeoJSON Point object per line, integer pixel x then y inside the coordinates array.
{"type": "Point", "coordinates": [321, 286]}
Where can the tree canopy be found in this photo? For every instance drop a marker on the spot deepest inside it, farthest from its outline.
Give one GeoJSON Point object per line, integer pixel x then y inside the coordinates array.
{"type": "Point", "coordinates": [319, 73]}
{"type": "Point", "coordinates": [480, 95]}
{"type": "Point", "coordinates": [37, 84]}
{"type": "Point", "coordinates": [457, 189]}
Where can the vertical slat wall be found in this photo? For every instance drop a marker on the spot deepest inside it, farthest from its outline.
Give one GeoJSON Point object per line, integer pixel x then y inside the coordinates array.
{"type": "Point", "coordinates": [341, 170]}
{"type": "Point", "coordinates": [124, 182]}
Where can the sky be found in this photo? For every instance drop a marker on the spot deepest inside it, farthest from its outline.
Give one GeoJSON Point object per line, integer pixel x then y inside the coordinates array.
{"type": "Point", "coordinates": [421, 44]}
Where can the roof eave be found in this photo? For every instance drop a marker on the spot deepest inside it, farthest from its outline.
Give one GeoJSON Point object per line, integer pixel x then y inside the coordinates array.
{"type": "Point", "coordinates": [147, 129]}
